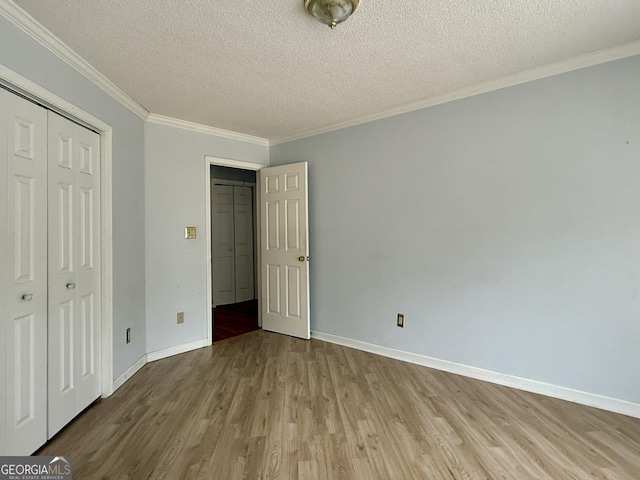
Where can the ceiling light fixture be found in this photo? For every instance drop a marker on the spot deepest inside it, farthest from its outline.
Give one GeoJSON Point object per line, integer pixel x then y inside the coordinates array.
{"type": "Point", "coordinates": [331, 12]}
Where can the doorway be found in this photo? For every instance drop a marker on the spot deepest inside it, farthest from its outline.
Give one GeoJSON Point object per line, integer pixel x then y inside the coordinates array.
{"type": "Point", "coordinates": [282, 250]}
{"type": "Point", "coordinates": [233, 248]}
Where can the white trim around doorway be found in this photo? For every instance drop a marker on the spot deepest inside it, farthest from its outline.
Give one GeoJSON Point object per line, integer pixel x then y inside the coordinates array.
{"type": "Point", "coordinates": [225, 162]}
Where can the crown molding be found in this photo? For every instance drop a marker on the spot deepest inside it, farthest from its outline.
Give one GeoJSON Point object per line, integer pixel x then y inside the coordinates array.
{"type": "Point", "coordinates": [38, 32]}
{"type": "Point", "coordinates": [44, 37]}
{"type": "Point", "coordinates": [199, 128]}
{"type": "Point", "coordinates": [576, 63]}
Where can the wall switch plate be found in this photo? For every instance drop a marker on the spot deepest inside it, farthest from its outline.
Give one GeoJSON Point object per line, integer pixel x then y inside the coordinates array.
{"type": "Point", "coordinates": [129, 335]}
{"type": "Point", "coordinates": [180, 317]}
{"type": "Point", "coordinates": [401, 320]}
{"type": "Point", "coordinates": [190, 233]}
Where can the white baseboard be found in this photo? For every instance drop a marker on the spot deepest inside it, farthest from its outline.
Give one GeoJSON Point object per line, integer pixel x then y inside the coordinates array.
{"type": "Point", "coordinates": [169, 352]}
{"type": "Point", "coordinates": [157, 355]}
{"type": "Point", "coordinates": [584, 398]}
{"type": "Point", "coordinates": [130, 372]}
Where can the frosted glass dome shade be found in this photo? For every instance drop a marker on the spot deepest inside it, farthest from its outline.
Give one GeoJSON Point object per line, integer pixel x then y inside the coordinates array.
{"type": "Point", "coordinates": [331, 12]}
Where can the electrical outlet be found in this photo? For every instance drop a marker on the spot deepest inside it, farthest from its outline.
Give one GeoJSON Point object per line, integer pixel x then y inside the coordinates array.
{"type": "Point", "coordinates": [129, 335]}
{"type": "Point", "coordinates": [180, 317]}
{"type": "Point", "coordinates": [401, 320]}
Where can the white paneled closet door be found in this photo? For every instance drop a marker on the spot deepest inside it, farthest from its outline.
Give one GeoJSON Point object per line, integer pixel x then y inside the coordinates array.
{"type": "Point", "coordinates": [222, 223]}
{"type": "Point", "coordinates": [74, 270]}
{"type": "Point", "coordinates": [243, 240]}
{"type": "Point", "coordinates": [232, 244]}
{"type": "Point", "coordinates": [23, 275]}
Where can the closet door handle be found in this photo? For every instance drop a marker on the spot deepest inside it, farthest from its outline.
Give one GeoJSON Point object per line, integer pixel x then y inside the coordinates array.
{"type": "Point", "coordinates": [27, 297]}
{"type": "Point", "coordinates": [71, 285]}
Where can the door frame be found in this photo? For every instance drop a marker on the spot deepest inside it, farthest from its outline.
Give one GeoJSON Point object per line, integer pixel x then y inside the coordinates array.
{"type": "Point", "coordinates": [34, 92]}
{"type": "Point", "coordinates": [239, 164]}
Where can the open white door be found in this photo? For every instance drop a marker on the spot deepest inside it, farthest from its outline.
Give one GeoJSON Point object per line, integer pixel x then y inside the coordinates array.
{"type": "Point", "coordinates": [284, 243]}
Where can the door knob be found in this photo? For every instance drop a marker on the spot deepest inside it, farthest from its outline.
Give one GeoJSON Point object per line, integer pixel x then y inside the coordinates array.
{"type": "Point", "coordinates": [301, 258]}
{"type": "Point", "coordinates": [27, 297]}
{"type": "Point", "coordinates": [71, 285]}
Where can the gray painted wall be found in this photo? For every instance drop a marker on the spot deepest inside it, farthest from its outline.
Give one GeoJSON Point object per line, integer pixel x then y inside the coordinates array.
{"type": "Point", "coordinates": [23, 55]}
{"type": "Point", "coordinates": [506, 227]}
{"type": "Point", "coordinates": [176, 198]}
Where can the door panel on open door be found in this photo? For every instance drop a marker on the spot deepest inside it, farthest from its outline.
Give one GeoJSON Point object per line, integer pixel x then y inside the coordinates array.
{"type": "Point", "coordinates": [285, 249]}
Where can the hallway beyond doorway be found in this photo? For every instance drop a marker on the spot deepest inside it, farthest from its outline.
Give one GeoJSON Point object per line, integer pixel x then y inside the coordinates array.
{"type": "Point", "coordinates": [234, 319]}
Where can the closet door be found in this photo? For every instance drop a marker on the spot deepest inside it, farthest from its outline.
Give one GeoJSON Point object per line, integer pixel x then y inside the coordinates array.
{"type": "Point", "coordinates": [243, 244]}
{"type": "Point", "coordinates": [74, 270]}
{"type": "Point", "coordinates": [23, 275]}
{"type": "Point", "coordinates": [224, 289]}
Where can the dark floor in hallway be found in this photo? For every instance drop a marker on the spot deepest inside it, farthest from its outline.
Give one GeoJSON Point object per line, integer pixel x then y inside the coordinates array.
{"type": "Point", "coordinates": [234, 319]}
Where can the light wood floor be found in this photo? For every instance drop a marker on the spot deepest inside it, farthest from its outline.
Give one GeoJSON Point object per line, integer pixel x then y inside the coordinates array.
{"type": "Point", "coordinates": [265, 406]}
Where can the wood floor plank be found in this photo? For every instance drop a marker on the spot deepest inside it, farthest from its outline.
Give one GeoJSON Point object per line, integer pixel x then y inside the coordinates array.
{"type": "Point", "coordinates": [267, 406]}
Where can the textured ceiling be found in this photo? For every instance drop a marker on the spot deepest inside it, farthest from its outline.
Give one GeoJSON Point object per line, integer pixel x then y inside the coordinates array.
{"type": "Point", "coordinates": [268, 69]}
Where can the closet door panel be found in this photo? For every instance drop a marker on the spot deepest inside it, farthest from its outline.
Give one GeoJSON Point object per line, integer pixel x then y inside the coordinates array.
{"type": "Point", "coordinates": [74, 276]}
{"type": "Point", "coordinates": [223, 245]}
{"type": "Point", "coordinates": [62, 272]}
{"type": "Point", "coordinates": [23, 263]}
{"type": "Point", "coordinates": [243, 215]}
{"type": "Point", "coordinates": [88, 266]}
